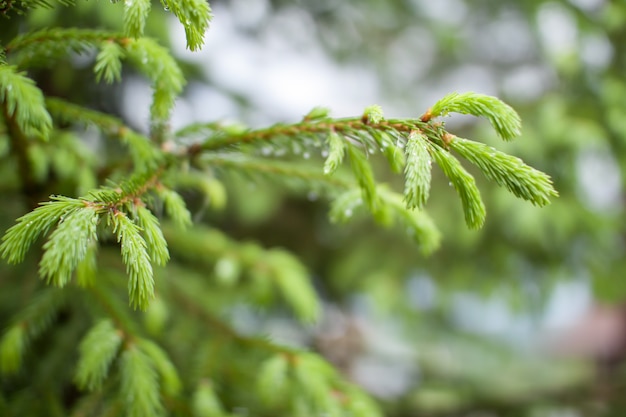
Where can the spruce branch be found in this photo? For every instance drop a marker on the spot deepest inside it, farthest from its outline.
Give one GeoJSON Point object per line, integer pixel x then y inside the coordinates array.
{"type": "Point", "coordinates": [156, 63]}
{"type": "Point", "coordinates": [506, 170]}
{"type": "Point", "coordinates": [21, 6]}
{"type": "Point", "coordinates": [32, 321]}
{"type": "Point", "coordinates": [67, 245]}
{"type": "Point", "coordinates": [109, 62]}
{"type": "Point", "coordinates": [135, 257]}
{"type": "Point", "coordinates": [156, 244]}
{"type": "Point", "coordinates": [417, 223]}
{"type": "Point", "coordinates": [23, 104]}
{"type": "Point", "coordinates": [169, 379]}
{"type": "Point", "coordinates": [464, 184]}
{"type": "Point", "coordinates": [336, 151]}
{"type": "Point", "coordinates": [417, 171]}
{"type": "Point", "coordinates": [195, 16]}
{"type": "Point", "coordinates": [135, 15]}
{"type": "Point", "coordinates": [274, 267]}
{"type": "Point", "coordinates": [39, 48]}
{"type": "Point", "coordinates": [300, 176]}
{"type": "Point", "coordinates": [502, 117]}
{"type": "Point", "coordinates": [97, 350]}
{"type": "Point", "coordinates": [146, 156]}
{"type": "Point", "coordinates": [18, 239]}
{"type": "Point", "coordinates": [139, 386]}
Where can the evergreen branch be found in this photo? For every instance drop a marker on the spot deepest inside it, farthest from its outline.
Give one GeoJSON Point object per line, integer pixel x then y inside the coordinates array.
{"type": "Point", "coordinates": [109, 62]}
{"type": "Point", "coordinates": [170, 381]}
{"type": "Point", "coordinates": [21, 6]}
{"type": "Point", "coordinates": [417, 171]}
{"type": "Point", "coordinates": [140, 387]}
{"type": "Point", "coordinates": [37, 317]}
{"type": "Point", "coordinates": [175, 207]}
{"type": "Point", "coordinates": [87, 268]}
{"type": "Point", "coordinates": [264, 266]}
{"type": "Point", "coordinates": [33, 49]}
{"type": "Point", "coordinates": [149, 57]}
{"type": "Point", "coordinates": [336, 151]}
{"type": "Point", "coordinates": [67, 112]}
{"type": "Point", "coordinates": [67, 245]}
{"type": "Point", "coordinates": [161, 68]}
{"type": "Point", "coordinates": [97, 350]}
{"type": "Point", "coordinates": [506, 170]}
{"type": "Point", "coordinates": [145, 154]}
{"type": "Point", "coordinates": [365, 176]}
{"type": "Point", "coordinates": [213, 190]}
{"type": "Point", "coordinates": [292, 278]}
{"type": "Point", "coordinates": [156, 244]}
{"type": "Point", "coordinates": [348, 127]}
{"type": "Point", "coordinates": [195, 306]}
{"type": "Point", "coordinates": [502, 117]}
{"type": "Point", "coordinates": [18, 239]}
{"type": "Point", "coordinates": [135, 257]}
{"type": "Point", "coordinates": [303, 176]}
{"type": "Point", "coordinates": [418, 224]}
{"type": "Point", "coordinates": [464, 184]}
{"type": "Point", "coordinates": [194, 16]}
{"type": "Point", "coordinates": [23, 102]}
{"type": "Point", "coordinates": [135, 15]}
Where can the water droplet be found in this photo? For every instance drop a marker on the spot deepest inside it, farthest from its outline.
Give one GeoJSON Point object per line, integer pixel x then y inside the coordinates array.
{"type": "Point", "coordinates": [166, 8]}
{"type": "Point", "coordinates": [324, 153]}
{"type": "Point", "coordinates": [400, 143]}
{"type": "Point", "coordinates": [348, 212]}
{"type": "Point", "coordinates": [306, 155]}
{"type": "Point", "coordinates": [371, 150]}
{"type": "Point", "coordinates": [450, 183]}
{"type": "Point", "coordinates": [312, 196]}
{"type": "Point", "coordinates": [266, 150]}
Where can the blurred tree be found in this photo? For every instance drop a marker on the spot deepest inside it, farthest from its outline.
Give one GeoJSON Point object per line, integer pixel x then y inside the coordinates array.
{"type": "Point", "coordinates": [395, 321]}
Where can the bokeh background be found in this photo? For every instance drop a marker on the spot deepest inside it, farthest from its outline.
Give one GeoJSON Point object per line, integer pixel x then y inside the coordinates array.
{"type": "Point", "coordinates": [526, 317]}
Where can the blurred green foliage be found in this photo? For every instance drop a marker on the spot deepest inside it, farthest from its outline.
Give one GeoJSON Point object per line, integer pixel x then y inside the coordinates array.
{"type": "Point", "coordinates": [394, 318]}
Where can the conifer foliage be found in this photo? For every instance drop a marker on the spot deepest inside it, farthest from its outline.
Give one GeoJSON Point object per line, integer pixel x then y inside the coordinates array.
{"type": "Point", "coordinates": [122, 364]}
